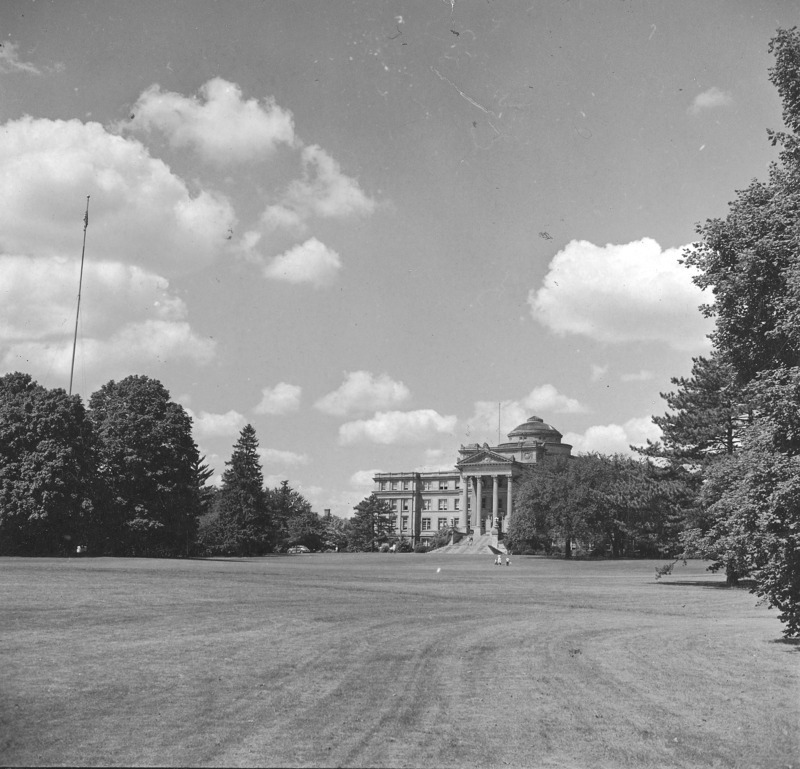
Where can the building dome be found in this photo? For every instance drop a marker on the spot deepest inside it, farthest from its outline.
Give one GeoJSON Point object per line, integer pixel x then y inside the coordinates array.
{"type": "Point", "coordinates": [536, 429]}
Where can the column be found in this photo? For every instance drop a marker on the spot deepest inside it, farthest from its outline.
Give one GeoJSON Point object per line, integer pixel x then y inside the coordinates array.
{"type": "Point", "coordinates": [479, 504]}
{"type": "Point", "coordinates": [509, 502]}
{"type": "Point", "coordinates": [495, 505]}
{"type": "Point", "coordinates": [463, 519]}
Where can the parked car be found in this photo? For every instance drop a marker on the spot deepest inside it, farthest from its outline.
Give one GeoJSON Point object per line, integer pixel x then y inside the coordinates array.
{"type": "Point", "coordinates": [298, 549]}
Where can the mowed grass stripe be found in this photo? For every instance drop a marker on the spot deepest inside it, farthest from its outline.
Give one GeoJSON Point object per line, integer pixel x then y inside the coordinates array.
{"type": "Point", "coordinates": [378, 660]}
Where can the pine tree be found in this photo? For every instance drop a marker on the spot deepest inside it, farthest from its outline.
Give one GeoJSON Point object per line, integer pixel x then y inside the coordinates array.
{"type": "Point", "coordinates": [371, 524]}
{"type": "Point", "coordinates": [243, 523]}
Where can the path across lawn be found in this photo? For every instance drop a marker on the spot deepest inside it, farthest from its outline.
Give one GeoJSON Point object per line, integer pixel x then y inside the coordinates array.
{"type": "Point", "coordinates": [389, 660]}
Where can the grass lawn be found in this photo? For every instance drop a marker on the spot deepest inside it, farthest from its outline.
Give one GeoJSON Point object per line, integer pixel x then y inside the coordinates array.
{"type": "Point", "coordinates": [381, 660]}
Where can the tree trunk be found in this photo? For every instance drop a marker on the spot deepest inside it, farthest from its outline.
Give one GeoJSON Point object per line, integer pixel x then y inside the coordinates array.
{"type": "Point", "coordinates": [568, 548]}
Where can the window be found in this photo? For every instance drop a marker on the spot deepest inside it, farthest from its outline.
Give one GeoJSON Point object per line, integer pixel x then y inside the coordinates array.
{"type": "Point", "coordinates": [406, 504]}
{"type": "Point", "coordinates": [393, 504]}
{"type": "Point", "coordinates": [469, 503]}
{"type": "Point", "coordinates": [442, 485]}
{"type": "Point", "coordinates": [443, 504]}
{"type": "Point", "coordinates": [394, 485]}
{"type": "Point", "coordinates": [456, 504]}
{"type": "Point", "coordinates": [382, 486]}
{"type": "Point", "coordinates": [454, 522]}
{"type": "Point", "coordinates": [441, 523]}
{"type": "Point", "coordinates": [426, 485]}
{"type": "Point", "coordinates": [426, 524]}
{"type": "Point", "coordinates": [405, 523]}
{"type": "Point", "coordinates": [426, 504]}
{"type": "Point", "coordinates": [405, 485]}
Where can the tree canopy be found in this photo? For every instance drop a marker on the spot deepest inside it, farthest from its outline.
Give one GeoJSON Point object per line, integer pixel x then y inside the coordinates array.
{"type": "Point", "coordinates": [46, 468]}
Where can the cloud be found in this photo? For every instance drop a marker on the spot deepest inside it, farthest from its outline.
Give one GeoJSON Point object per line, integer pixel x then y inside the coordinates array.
{"type": "Point", "coordinates": [362, 391]}
{"type": "Point", "coordinates": [140, 212]}
{"type": "Point", "coordinates": [622, 293]}
{"type": "Point", "coordinates": [310, 262]}
{"type": "Point", "coordinates": [397, 427]}
{"type": "Point", "coordinates": [280, 457]}
{"type": "Point", "coordinates": [614, 438]}
{"type": "Point", "coordinates": [323, 191]}
{"type": "Point", "coordinates": [129, 317]}
{"type": "Point", "coordinates": [363, 479]}
{"type": "Point", "coordinates": [281, 399]}
{"type": "Point", "coordinates": [598, 372]}
{"type": "Point", "coordinates": [213, 425]}
{"type": "Point", "coordinates": [710, 99]}
{"type": "Point", "coordinates": [134, 345]}
{"type": "Point", "coordinates": [10, 61]}
{"type": "Point", "coordinates": [641, 376]}
{"type": "Point", "coordinates": [542, 400]}
{"type": "Point", "coordinates": [220, 125]}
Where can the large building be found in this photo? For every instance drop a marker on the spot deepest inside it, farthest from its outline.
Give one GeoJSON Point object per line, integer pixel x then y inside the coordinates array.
{"type": "Point", "coordinates": [477, 495]}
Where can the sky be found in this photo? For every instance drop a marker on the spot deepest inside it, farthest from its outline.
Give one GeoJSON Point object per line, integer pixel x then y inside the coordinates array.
{"type": "Point", "coordinates": [376, 231]}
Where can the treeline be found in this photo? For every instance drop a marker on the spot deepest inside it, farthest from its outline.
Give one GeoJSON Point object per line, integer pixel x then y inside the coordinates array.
{"type": "Point", "coordinates": [125, 477]}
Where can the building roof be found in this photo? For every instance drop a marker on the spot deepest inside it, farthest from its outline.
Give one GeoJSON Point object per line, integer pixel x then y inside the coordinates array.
{"type": "Point", "coordinates": [537, 429]}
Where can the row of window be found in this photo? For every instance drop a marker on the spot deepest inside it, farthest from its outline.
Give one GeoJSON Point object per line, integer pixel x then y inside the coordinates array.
{"type": "Point", "coordinates": [426, 485]}
{"type": "Point", "coordinates": [441, 523]}
{"type": "Point", "coordinates": [405, 504]}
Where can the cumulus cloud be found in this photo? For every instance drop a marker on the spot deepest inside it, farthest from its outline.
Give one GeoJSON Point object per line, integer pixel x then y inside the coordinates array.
{"type": "Point", "coordinates": [310, 262]}
{"type": "Point", "coordinates": [281, 399]}
{"type": "Point", "coordinates": [397, 427]}
{"type": "Point", "coordinates": [614, 438]}
{"type": "Point", "coordinates": [141, 213]}
{"type": "Point", "coordinates": [362, 391]}
{"type": "Point", "coordinates": [132, 317]}
{"type": "Point", "coordinates": [207, 424]}
{"type": "Point", "coordinates": [362, 479]}
{"type": "Point", "coordinates": [541, 401]}
{"type": "Point", "coordinates": [220, 125]}
{"type": "Point", "coordinates": [325, 190]}
{"type": "Point", "coordinates": [134, 345]}
{"type": "Point", "coordinates": [710, 99]}
{"type": "Point", "coordinates": [280, 457]}
{"type": "Point", "coordinates": [622, 293]}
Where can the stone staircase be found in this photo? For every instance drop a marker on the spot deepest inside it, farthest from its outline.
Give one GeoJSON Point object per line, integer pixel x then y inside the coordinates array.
{"type": "Point", "coordinates": [481, 545]}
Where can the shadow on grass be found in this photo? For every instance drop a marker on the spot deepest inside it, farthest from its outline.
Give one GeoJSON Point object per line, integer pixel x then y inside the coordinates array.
{"type": "Point", "coordinates": [794, 643]}
{"type": "Point", "coordinates": [744, 584]}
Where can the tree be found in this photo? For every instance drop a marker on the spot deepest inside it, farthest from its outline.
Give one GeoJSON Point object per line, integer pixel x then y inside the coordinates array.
{"type": "Point", "coordinates": [609, 503]}
{"type": "Point", "coordinates": [336, 532]}
{"type": "Point", "coordinates": [147, 470]}
{"type": "Point", "coordinates": [371, 524]}
{"type": "Point", "coordinates": [752, 501]}
{"type": "Point", "coordinates": [749, 261]}
{"type": "Point", "coordinates": [46, 468]}
{"type": "Point", "coordinates": [293, 521]}
{"type": "Point", "coordinates": [241, 517]}
{"type": "Point", "coordinates": [706, 417]}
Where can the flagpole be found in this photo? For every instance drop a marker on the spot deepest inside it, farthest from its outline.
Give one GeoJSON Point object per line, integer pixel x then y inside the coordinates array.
{"type": "Point", "coordinates": [80, 284]}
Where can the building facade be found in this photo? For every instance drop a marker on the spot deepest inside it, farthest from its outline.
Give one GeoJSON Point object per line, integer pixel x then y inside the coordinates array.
{"type": "Point", "coordinates": [477, 495]}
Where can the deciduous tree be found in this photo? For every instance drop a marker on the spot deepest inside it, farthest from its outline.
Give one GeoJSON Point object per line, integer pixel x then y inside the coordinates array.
{"type": "Point", "coordinates": [147, 461]}
{"type": "Point", "coordinates": [46, 468]}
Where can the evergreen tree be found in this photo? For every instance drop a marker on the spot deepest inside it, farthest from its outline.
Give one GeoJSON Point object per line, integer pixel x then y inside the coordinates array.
{"type": "Point", "coordinates": [240, 507]}
{"type": "Point", "coordinates": [370, 525]}
{"type": "Point", "coordinates": [46, 468]}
